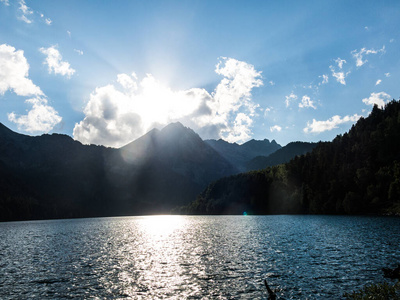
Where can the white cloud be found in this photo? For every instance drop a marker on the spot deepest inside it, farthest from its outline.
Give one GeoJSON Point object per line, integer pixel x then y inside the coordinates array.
{"type": "Point", "coordinates": [377, 98]}
{"type": "Point", "coordinates": [14, 77]}
{"type": "Point", "coordinates": [340, 62]}
{"type": "Point", "coordinates": [241, 128]}
{"type": "Point", "coordinates": [272, 83]}
{"type": "Point", "coordinates": [275, 128]}
{"type": "Point", "coordinates": [55, 63]}
{"type": "Point", "coordinates": [325, 79]}
{"type": "Point", "coordinates": [14, 72]}
{"type": "Point", "coordinates": [358, 55]}
{"type": "Point", "coordinates": [340, 76]}
{"type": "Point", "coordinates": [391, 41]}
{"type": "Point", "coordinates": [26, 11]}
{"type": "Point", "coordinates": [306, 102]}
{"type": "Point", "coordinates": [334, 122]}
{"type": "Point", "coordinates": [48, 21]}
{"type": "Point", "coordinates": [128, 82]}
{"type": "Point", "coordinates": [25, 19]}
{"type": "Point", "coordinates": [291, 97]}
{"type": "Point", "coordinates": [378, 82]}
{"type": "Point", "coordinates": [116, 115]}
{"type": "Point", "coordinates": [41, 118]}
{"type": "Point", "coordinates": [69, 33]}
{"type": "Point", "coordinates": [266, 111]}
{"type": "Point", "coordinates": [6, 2]}
{"type": "Point", "coordinates": [387, 74]}
{"type": "Point", "coordinates": [80, 52]}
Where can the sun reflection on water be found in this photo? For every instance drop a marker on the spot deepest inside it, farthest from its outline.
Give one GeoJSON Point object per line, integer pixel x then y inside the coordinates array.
{"type": "Point", "coordinates": [161, 226]}
{"type": "Point", "coordinates": [159, 268]}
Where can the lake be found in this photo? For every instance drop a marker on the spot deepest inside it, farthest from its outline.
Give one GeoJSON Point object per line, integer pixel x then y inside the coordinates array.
{"type": "Point", "coordinates": [195, 257]}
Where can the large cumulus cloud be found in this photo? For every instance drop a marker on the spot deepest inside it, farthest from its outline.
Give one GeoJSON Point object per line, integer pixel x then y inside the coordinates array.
{"type": "Point", "coordinates": [119, 113]}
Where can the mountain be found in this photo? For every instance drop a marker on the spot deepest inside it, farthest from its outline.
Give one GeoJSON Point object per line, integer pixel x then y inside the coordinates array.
{"type": "Point", "coordinates": [182, 151]}
{"type": "Point", "coordinates": [282, 155]}
{"type": "Point", "coordinates": [50, 176]}
{"type": "Point", "coordinates": [53, 176]}
{"type": "Point", "coordinates": [356, 173]}
{"type": "Point", "coordinates": [240, 155]}
{"type": "Point", "coordinates": [166, 168]}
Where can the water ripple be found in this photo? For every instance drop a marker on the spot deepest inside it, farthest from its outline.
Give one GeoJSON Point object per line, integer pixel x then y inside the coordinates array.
{"type": "Point", "coordinates": [179, 257]}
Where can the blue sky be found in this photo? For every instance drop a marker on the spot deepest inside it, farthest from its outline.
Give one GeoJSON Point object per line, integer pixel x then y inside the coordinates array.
{"type": "Point", "coordinates": [106, 72]}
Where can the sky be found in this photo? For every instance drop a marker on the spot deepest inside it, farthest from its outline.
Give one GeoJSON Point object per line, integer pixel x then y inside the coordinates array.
{"type": "Point", "coordinates": [107, 72]}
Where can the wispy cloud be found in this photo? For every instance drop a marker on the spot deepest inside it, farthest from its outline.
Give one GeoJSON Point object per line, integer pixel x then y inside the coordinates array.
{"type": "Point", "coordinates": [55, 63]}
{"type": "Point", "coordinates": [332, 123]}
{"type": "Point", "coordinates": [25, 12]}
{"type": "Point", "coordinates": [306, 102]}
{"type": "Point", "coordinates": [266, 111]}
{"type": "Point", "coordinates": [325, 79]}
{"type": "Point", "coordinates": [276, 128]}
{"type": "Point", "coordinates": [378, 82]}
{"type": "Point", "coordinates": [340, 62]}
{"type": "Point", "coordinates": [358, 55]}
{"type": "Point", "coordinates": [292, 97]}
{"type": "Point", "coordinates": [5, 2]}
{"type": "Point", "coordinates": [379, 99]}
{"type": "Point", "coordinates": [340, 76]}
{"type": "Point", "coordinates": [80, 52]}
{"type": "Point", "coordinates": [115, 116]}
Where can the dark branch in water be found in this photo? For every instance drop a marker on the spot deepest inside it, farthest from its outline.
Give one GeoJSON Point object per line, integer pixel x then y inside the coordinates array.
{"type": "Point", "coordinates": [271, 294]}
{"type": "Point", "coordinates": [392, 273]}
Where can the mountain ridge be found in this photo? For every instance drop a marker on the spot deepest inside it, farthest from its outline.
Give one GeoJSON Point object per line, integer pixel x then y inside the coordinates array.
{"type": "Point", "coordinates": [280, 156]}
{"type": "Point", "coordinates": [239, 155]}
{"type": "Point", "coordinates": [54, 176]}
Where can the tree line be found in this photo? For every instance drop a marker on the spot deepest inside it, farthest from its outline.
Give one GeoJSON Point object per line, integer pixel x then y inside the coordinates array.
{"type": "Point", "coordinates": [357, 173]}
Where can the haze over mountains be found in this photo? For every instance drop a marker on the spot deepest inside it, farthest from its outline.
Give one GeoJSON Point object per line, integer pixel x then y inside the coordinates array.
{"type": "Point", "coordinates": [54, 176]}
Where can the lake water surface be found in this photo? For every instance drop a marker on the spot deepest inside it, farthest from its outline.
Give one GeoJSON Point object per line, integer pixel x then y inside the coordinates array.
{"type": "Point", "coordinates": [195, 257]}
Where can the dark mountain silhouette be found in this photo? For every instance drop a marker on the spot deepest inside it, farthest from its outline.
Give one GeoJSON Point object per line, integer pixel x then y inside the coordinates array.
{"type": "Point", "coordinates": [282, 155]}
{"type": "Point", "coordinates": [53, 176]}
{"type": "Point", "coordinates": [356, 173]}
{"type": "Point", "coordinates": [181, 150]}
{"type": "Point", "coordinates": [240, 155]}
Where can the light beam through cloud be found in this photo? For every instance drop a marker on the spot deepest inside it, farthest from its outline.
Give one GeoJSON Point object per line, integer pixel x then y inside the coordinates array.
{"type": "Point", "coordinates": [116, 115]}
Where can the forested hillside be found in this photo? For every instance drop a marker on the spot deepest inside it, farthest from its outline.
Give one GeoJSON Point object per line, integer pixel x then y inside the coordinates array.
{"type": "Point", "coordinates": [356, 173]}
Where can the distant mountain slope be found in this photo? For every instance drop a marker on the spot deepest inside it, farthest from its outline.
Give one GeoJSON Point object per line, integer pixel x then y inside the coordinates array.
{"type": "Point", "coordinates": [356, 173]}
{"type": "Point", "coordinates": [53, 176]}
{"type": "Point", "coordinates": [282, 155]}
{"type": "Point", "coordinates": [183, 151]}
{"type": "Point", "coordinates": [239, 155]}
